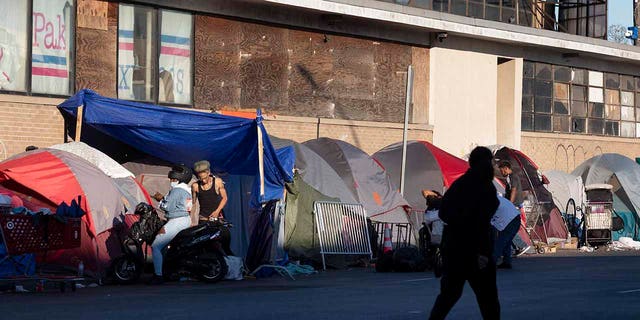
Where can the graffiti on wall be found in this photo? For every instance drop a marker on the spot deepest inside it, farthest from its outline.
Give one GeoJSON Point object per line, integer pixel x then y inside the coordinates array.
{"type": "Point", "coordinates": [568, 157]}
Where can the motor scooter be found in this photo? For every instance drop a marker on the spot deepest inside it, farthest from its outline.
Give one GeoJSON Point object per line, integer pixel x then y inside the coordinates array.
{"type": "Point", "coordinates": [196, 251]}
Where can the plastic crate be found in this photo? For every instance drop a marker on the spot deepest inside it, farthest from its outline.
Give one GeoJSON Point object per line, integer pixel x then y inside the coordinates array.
{"type": "Point", "coordinates": [29, 234]}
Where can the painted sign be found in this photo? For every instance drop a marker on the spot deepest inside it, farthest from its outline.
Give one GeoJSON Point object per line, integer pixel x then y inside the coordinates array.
{"type": "Point", "coordinates": [51, 46]}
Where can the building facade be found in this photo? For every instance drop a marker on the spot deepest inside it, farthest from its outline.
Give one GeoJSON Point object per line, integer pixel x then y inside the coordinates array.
{"type": "Point", "coordinates": [520, 73]}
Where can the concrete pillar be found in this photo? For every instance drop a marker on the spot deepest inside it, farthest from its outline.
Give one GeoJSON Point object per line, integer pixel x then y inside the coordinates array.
{"type": "Point", "coordinates": [509, 102]}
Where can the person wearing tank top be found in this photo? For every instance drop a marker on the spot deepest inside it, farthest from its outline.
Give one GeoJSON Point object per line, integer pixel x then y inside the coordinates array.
{"type": "Point", "coordinates": [209, 191]}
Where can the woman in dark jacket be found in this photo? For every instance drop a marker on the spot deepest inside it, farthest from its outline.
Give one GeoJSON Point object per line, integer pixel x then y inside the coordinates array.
{"type": "Point", "coordinates": [467, 240]}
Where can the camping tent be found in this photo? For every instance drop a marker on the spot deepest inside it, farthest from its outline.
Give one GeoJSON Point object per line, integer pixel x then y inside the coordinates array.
{"type": "Point", "coordinates": [127, 131]}
{"type": "Point", "coordinates": [427, 167]}
{"type": "Point", "coordinates": [124, 129]}
{"type": "Point", "coordinates": [563, 187]}
{"type": "Point", "coordinates": [550, 227]}
{"type": "Point", "coordinates": [316, 172]}
{"type": "Point", "coordinates": [124, 179]}
{"type": "Point", "coordinates": [367, 181]}
{"type": "Point", "coordinates": [624, 175]}
{"type": "Point", "coordinates": [48, 177]}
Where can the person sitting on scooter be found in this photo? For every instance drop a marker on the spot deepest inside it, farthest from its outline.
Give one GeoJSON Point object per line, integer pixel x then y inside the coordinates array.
{"type": "Point", "coordinates": [177, 209]}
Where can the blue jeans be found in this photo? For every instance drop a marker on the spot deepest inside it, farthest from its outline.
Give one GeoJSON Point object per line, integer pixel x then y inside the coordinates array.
{"type": "Point", "coordinates": [171, 229]}
{"type": "Point", "coordinates": [503, 242]}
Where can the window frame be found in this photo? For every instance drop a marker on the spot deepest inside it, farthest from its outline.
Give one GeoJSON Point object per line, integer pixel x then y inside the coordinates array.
{"type": "Point", "coordinates": [29, 63]}
{"type": "Point", "coordinates": [158, 41]}
{"type": "Point", "coordinates": [585, 85]}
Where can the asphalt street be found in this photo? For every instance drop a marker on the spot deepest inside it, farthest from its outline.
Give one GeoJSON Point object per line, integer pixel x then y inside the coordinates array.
{"type": "Point", "coordinates": [553, 286]}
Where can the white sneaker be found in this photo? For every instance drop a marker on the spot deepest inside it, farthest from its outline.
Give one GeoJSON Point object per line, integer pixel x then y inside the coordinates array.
{"type": "Point", "coordinates": [522, 251]}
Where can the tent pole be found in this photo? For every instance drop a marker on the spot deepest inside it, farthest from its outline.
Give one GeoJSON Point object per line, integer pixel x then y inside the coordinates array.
{"type": "Point", "coordinates": [79, 117]}
{"type": "Point", "coordinates": [260, 160]}
{"type": "Point", "coordinates": [407, 105]}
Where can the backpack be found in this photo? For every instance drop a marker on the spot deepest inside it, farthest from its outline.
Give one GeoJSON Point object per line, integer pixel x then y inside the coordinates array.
{"type": "Point", "coordinates": [147, 227]}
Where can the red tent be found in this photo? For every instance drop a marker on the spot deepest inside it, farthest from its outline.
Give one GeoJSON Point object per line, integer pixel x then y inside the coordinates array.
{"type": "Point", "coordinates": [48, 177]}
{"type": "Point", "coordinates": [544, 218]}
{"type": "Point", "coordinates": [427, 167]}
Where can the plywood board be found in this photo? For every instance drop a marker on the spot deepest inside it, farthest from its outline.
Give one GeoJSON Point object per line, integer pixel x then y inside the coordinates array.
{"type": "Point", "coordinates": [93, 14]}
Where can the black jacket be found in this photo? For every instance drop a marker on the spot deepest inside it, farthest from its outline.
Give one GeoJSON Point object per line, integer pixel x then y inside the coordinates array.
{"type": "Point", "coordinates": [467, 208]}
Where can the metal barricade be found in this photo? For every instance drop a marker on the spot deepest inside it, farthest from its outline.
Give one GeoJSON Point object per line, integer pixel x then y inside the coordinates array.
{"type": "Point", "coordinates": [342, 229]}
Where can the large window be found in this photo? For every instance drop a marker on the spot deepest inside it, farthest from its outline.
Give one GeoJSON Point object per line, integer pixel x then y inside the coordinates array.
{"type": "Point", "coordinates": [51, 46]}
{"type": "Point", "coordinates": [509, 11]}
{"type": "Point", "coordinates": [573, 100]}
{"type": "Point", "coordinates": [154, 66]}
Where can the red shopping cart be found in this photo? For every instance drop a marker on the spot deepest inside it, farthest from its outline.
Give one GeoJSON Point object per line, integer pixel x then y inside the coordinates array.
{"type": "Point", "coordinates": [23, 234]}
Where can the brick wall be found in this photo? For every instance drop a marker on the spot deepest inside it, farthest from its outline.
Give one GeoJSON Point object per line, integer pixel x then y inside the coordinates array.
{"type": "Point", "coordinates": [368, 136]}
{"type": "Point", "coordinates": [565, 152]}
{"type": "Point", "coordinates": [28, 121]}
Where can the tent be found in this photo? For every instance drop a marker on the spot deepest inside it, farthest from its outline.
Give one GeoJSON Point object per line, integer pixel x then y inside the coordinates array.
{"type": "Point", "coordinates": [125, 129]}
{"type": "Point", "coordinates": [128, 131]}
{"type": "Point", "coordinates": [427, 167]}
{"type": "Point", "coordinates": [563, 187]}
{"type": "Point", "coordinates": [124, 179]}
{"type": "Point", "coordinates": [317, 172]}
{"type": "Point", "coordinates": [48, 177]}
{"type": "Point", "coordinates": [550, 227]}
{"type": "Point", "coordinates": [624, 175]}
{"type": "Point", "coordinates": [367, 181]}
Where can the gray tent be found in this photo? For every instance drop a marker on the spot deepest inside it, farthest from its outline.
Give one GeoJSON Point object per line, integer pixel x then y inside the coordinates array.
{"type": "Point", "coordinates": [367, 181]}
{"type": "Point", "coordinates": [624, 175]}
{"type": "Point", "coordinates": [564, 186]}
{"type": "Point", "coordinates": [316, 172]}
{"type": "Point", "coordinates": [427, 167]}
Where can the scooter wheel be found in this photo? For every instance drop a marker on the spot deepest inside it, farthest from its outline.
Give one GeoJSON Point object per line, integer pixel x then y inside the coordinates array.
{"type": "Point", "coordinates": [214, 268]}
{"type": "Point", "coordinates": [126, 270]}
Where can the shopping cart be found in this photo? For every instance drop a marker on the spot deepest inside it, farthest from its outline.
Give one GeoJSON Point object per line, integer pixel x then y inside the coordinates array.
{"type": "Point", "coordinates": [598, 213]}
{"type": "Point", "coordinates": [22, 234]}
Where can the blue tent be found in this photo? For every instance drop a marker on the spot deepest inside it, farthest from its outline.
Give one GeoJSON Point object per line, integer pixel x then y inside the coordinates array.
{"type": "Point", "coordinates": [122, 128]}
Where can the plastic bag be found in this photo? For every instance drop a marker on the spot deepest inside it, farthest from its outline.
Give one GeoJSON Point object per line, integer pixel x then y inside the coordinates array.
{"type": "Point", "coordinates": [236, 268]}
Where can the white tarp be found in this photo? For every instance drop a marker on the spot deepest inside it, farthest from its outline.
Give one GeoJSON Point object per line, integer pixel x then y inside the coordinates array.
{"type": "Point", "coordinates": [109, 166]}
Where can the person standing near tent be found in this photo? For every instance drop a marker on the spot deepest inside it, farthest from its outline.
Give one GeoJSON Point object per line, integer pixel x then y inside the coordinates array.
{"type": "Point", "coordinates": [209, 191]}
{"type": "Point", "coordinates": [467, 243]}
{"type": "Point", "coordinates": [513, 187]}
{"type": "Point", "coordinates": [177, 207]}
{"type": "Point", "coordinates": [506, 222]}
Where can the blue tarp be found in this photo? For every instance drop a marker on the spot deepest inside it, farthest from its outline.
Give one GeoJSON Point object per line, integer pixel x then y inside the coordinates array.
{"type": "Point", "coordinates": [182, 137]}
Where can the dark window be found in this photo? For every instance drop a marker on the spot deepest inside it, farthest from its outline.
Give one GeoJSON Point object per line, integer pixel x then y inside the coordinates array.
{"type": "Point", "coordinates": [527, 121]}
{"type": "Point", "coordinates": [527, 103]}
{"type": "Point", "coordinates": [596, 110]}
{"type": "Point", "coordinates": [627, 83]}
{"type": "Point", "coordinates": [612, 128]}
{"type": "Point", "coordinates": [543, 88]}
{"type": "Point", "coordinates": [543, 71]}
{"type": "Point", "coordinates": [578, 125]}
{"type": "Point", "coordinates": [611, 81]}
{"type": "Point", "coordinates": [542, 122]}
{"type": "Point", "coordinates": [542, 105]}
{"type": "Point", "coordinates": [596, 126]}
{"type": "Point", "coordinates": [560, 107]}
{"type": "Point", "coordinates": [561, 124]}
{"type": "Point", "coordinates": [561, 74]}
{"type": "Point", "coordinates": [578, 109]}
{"type": "Point", "coordinates": [578, 93]}
{"type": "Point", "coordinates": [527, 86]}
{"type": "Point", "coordinates": [528, 70]}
